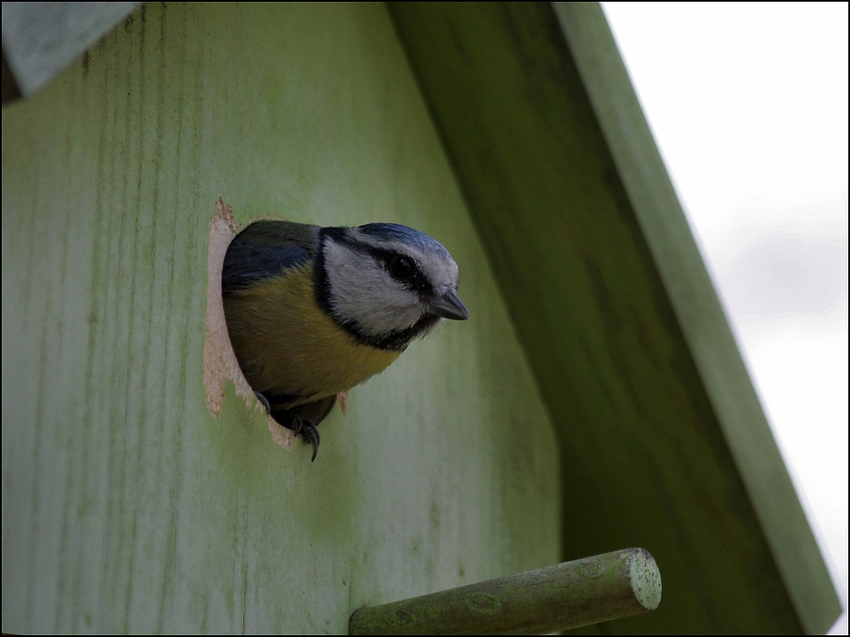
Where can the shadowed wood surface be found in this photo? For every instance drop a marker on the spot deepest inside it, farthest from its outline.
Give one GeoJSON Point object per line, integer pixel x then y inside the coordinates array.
{"type": "Point", "coordinates": [662, 439]}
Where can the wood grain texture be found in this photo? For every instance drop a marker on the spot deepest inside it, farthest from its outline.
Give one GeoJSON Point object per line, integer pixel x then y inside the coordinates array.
{"type": "Point", "coordinates": [662, 439]}
{"type": "Point", "coordinates": [127, 507]}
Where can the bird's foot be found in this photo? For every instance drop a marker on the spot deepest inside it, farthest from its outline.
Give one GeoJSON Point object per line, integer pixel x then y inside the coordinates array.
{"type": "Point", "coordinates": [308, 431]}
{"type": "Point", "coordinates": [299, 425]}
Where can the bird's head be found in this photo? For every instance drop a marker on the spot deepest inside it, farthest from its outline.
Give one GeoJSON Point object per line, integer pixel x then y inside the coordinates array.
{"type": "Point", "coordinates": [386, 284]}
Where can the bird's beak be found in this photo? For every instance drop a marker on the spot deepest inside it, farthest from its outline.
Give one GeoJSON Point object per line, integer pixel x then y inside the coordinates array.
{"type": "Point", "coordinates": [448, 306]}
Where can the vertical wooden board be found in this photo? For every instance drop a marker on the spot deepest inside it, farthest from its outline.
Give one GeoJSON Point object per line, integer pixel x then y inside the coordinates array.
{"type": "Point", "coordinates": [126, 505]}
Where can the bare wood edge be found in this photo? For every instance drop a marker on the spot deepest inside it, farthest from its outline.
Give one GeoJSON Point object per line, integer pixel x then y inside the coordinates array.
{"type": "Point", "coordinates": [220, 362]}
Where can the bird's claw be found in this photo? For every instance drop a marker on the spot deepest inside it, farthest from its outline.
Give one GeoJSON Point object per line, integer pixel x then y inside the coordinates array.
{"type": "Point", "coordinates": [263, 400]}
{"type": "Point", "coordinates": [298, 425]}
{"type": "Point", "coordinates": [308, 432]}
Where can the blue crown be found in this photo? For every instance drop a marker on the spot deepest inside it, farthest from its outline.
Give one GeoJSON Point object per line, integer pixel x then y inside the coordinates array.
{"type": "Point", "coordinates": [404, 234]}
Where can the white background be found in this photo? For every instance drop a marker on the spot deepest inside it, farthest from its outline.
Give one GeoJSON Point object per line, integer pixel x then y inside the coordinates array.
{"type": "Point", "coordinates": [748, 105]}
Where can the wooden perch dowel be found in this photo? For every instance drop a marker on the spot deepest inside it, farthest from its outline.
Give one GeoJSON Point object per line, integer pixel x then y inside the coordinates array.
{"type": "Point", "coordinates": [550, 599]}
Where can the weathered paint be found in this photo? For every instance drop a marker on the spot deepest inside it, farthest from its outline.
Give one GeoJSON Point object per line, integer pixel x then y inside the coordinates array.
{"type": "Point", "coordinates": [127, 507]}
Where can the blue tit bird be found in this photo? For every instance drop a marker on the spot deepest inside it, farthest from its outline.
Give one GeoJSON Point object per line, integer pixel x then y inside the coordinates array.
{"type": "Point", "coordinates": [312, 312]}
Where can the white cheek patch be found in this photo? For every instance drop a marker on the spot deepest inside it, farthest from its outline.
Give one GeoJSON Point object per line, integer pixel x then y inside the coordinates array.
{"type": "Point", "coordinates": [362, 290]}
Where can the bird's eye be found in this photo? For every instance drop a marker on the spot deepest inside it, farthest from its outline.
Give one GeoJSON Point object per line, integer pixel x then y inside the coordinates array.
{"type": "Point", "coordinates": [401, 267]}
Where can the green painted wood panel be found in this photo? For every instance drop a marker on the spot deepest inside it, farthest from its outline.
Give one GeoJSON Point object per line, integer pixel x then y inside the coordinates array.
{"type": "Point", "coordinates": [663, 442]}
{"type": "Point", "coordinates": [703, 322]}
{"type": "Point", "coordinates": [126, 506]}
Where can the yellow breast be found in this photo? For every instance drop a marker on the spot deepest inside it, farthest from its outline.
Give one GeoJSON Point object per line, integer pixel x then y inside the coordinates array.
{"type": "Point", "coordinates": [287, 345]}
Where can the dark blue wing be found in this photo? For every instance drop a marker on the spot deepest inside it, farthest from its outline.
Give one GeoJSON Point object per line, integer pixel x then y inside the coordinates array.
{"type": "Point", "coordinates": [265, 249]}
